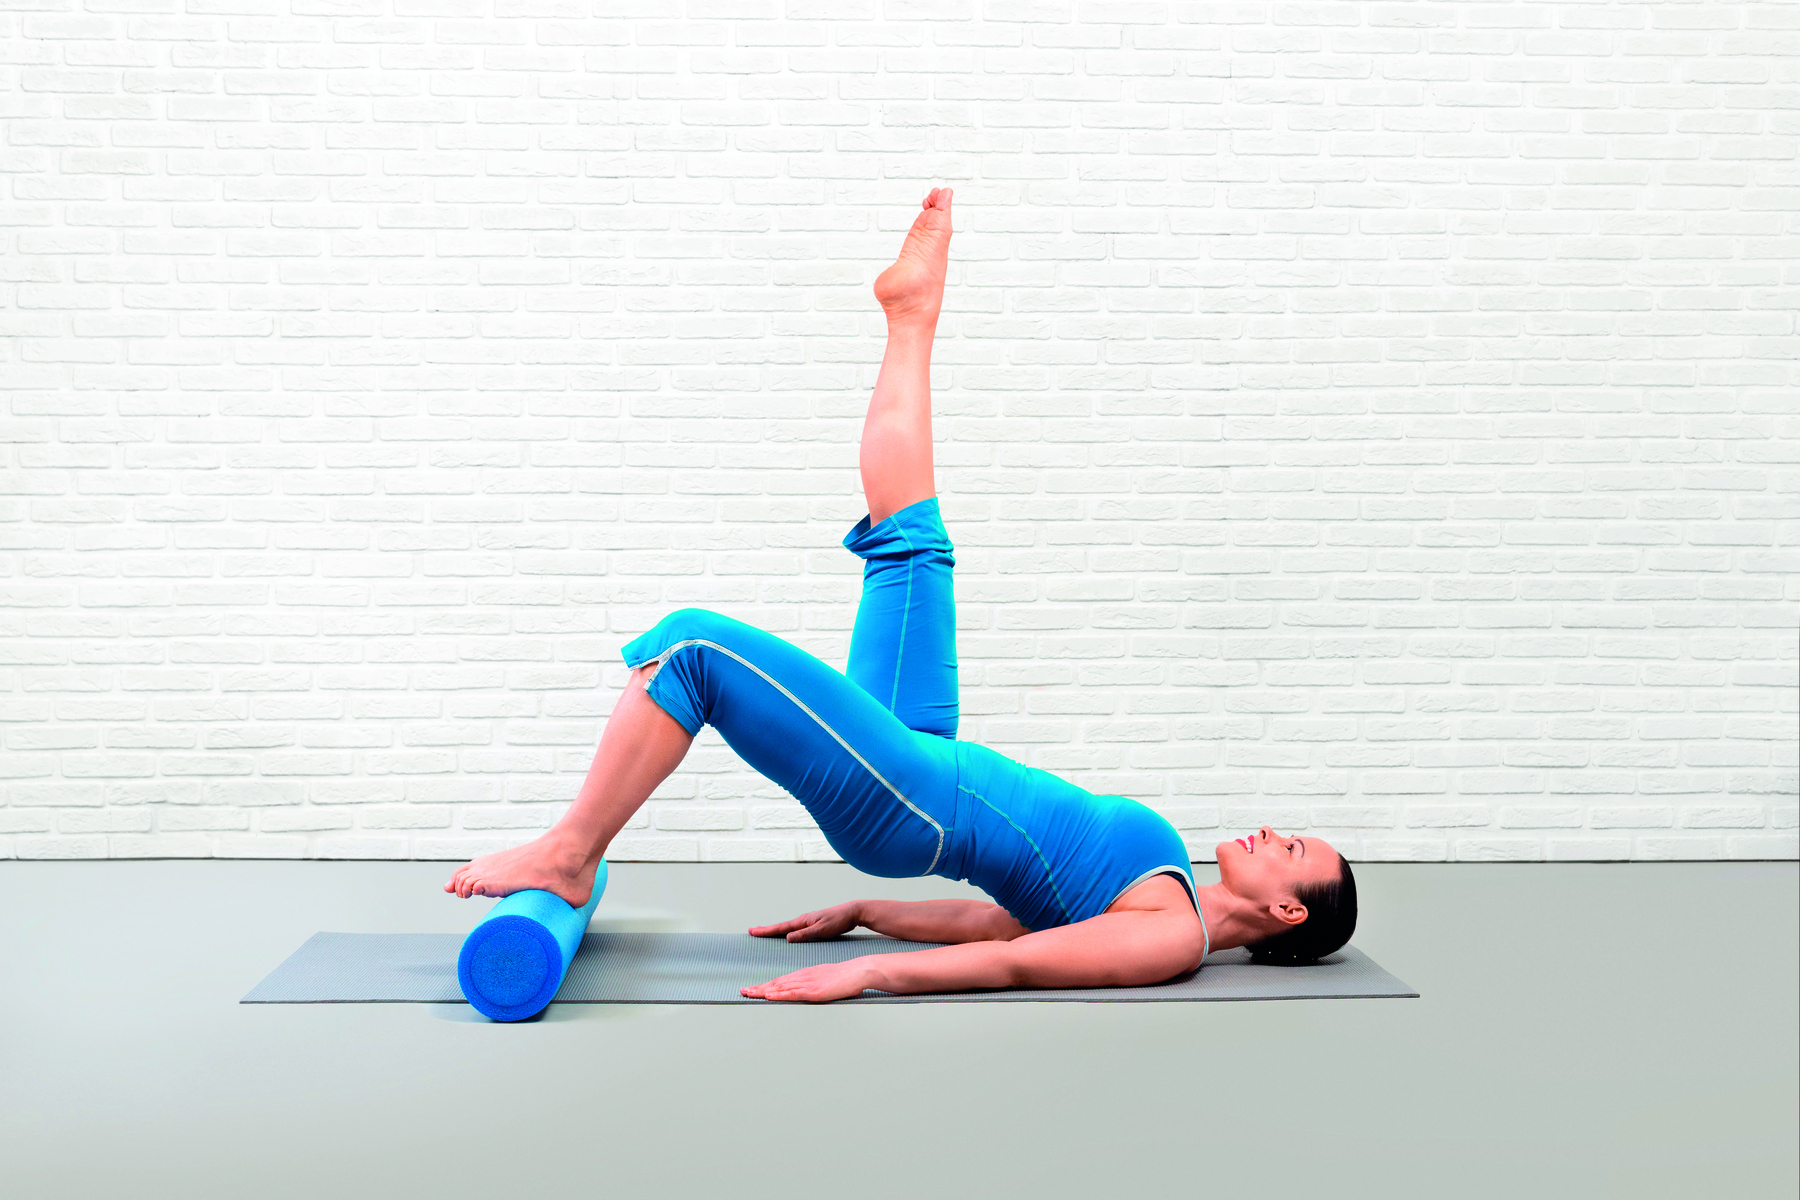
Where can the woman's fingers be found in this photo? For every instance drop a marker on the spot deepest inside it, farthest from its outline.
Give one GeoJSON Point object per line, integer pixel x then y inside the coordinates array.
{"type": "Point", "coordinates": [781, 927]}
{"type": "Point", "coordinates": [824, 923]}
{"type": "Point", "coordinates": [787, 987]}
{"type": "Point", "coordinates": [829, 981]}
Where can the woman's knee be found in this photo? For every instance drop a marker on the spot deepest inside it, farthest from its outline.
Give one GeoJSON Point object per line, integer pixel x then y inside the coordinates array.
{"type": "Point", "coordinates": [694, 624]}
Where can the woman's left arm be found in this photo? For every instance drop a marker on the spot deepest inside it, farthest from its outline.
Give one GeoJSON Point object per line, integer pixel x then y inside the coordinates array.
{"type": "Point", "coordinates": [1117, 949]}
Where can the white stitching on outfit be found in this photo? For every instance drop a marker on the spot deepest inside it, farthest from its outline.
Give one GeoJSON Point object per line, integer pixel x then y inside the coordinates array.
{"type": "Point", "coordinates": [1029, 841]}
{"type": "Point", "coordinates": [664, 657]}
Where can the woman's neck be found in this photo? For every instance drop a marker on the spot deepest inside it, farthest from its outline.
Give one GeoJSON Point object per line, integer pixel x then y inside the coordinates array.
{"type": "Point", "coordinates": [1230, 919]}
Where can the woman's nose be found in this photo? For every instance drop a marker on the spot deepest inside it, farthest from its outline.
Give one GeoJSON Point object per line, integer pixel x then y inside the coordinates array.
{"type": "Point", "coordinates": [1265, 833]}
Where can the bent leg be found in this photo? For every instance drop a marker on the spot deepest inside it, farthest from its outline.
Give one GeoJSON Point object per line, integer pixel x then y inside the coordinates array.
{"type": "Point", "coordinates": [640, 746]}
{"type": "Point", "coordinates": [882, 794]}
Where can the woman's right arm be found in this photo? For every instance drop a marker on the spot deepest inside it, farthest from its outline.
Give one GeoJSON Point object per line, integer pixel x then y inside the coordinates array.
{"type": "Point", "coordinates": [951, 921]}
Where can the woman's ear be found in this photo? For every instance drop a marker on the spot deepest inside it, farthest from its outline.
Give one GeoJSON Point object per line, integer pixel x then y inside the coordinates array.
{"type": "Point", "coordinates": [1288, 912]}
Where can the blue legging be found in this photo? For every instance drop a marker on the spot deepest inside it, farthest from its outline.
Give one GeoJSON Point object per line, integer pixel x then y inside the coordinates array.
{"type": "Point", "coordinates": [872, 754]}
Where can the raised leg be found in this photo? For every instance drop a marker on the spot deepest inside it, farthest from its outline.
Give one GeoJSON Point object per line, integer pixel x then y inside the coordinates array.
{"type": "Point", "coordinates": [896, 440]}
{"type": "Point", "coordinates": [903, 648]}
{"type": "Point", "coordinates": [913, 654]}
{"type": "Point", "coordinates": [640, 746]}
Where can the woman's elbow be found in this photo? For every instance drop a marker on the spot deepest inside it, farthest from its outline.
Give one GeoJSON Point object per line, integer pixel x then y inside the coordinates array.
{"type": "Point", "coordinates": [1001, 927]}
{"type": "Point", "coordinates": [1154, 965]}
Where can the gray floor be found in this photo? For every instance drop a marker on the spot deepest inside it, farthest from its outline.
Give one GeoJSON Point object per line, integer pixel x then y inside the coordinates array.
{"type": "Point", "coordinates": [1585, 1030]}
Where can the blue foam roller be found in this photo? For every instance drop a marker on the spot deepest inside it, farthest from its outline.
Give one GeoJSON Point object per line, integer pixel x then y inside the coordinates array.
{"type": "Point", "coordinates": [515, 958]}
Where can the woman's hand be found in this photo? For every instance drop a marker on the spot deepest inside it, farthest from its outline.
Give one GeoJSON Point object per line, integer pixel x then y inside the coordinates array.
{"type": "Point", "coordinates": [831, 922]}
{"type": "Point", "coordinates": [828, 981]}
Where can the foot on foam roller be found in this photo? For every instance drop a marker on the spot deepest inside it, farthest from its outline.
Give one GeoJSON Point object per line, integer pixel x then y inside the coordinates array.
{"type": "Point", "coordinates": [514, 960]}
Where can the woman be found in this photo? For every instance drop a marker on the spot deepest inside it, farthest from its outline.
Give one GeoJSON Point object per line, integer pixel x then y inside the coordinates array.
{"type": "Point", "coordinates": [1091, 890]}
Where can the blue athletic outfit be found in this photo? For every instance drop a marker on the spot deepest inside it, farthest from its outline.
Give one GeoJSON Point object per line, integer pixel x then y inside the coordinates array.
{"type": "Point", "coordinates": [873, 756]}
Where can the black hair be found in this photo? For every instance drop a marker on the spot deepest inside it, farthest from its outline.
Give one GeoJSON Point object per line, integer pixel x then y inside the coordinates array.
{"type": "Point", "coordinates": [1330, 920]}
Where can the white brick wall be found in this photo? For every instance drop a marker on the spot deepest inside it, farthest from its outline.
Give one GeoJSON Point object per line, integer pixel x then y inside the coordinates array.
{"type": "Point", "coordinates": [1377, 419]}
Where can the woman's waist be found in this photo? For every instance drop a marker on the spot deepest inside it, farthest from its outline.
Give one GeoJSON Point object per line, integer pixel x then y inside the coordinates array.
{"type": "Point", "coordinates": [1020, 835]}
{"type": "Point", "coordinates": [1049, 843]}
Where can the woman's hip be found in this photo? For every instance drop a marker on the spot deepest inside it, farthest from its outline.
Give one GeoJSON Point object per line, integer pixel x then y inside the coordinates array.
{"type": "Point", "coordinates": [882, 794]}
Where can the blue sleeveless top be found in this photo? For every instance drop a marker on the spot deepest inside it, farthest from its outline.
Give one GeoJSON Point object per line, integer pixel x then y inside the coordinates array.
{"type": "Point", "coordinates": [1049, 852]}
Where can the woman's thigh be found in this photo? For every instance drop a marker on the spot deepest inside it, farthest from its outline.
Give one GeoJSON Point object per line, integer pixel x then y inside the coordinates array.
{"type": "Point", "coordinates": [883, 794]}
{"type": "Point", "coordinates": [903, 647]}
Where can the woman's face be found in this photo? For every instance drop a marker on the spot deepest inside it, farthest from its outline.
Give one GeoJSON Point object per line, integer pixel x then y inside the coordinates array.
{"type": "Point", "coordinates": [1265, 868]}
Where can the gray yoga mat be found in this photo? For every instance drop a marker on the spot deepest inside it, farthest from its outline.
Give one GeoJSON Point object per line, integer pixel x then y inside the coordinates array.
{"type": "Point", "coordinates": [709, 968]}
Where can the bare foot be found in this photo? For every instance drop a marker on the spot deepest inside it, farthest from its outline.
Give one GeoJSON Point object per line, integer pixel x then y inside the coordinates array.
{"type": "Point", "coordinates": [548, 864]}
{"type": "Point", "coordinates": [913, 288]}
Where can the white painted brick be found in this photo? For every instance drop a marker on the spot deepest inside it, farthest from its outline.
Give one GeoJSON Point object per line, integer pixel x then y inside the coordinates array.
{"type": "Point", "coordinates": [1541, 816]}
{"type": "Point", "coordinates": [1201, 848]}
{"type": "Point", "coordinates": [640, 848]}
{"type": "Point", "coordinates": [301, 820]}
{"type": "Point", "coordinates": [1587, 849]}
{"type": "Point", "coordinates": [25, 821]}
{"type": "Point", "coordinates": [523, 816]}
{"type": "Point", "coordinates": [786, 816]}
{"type": "Point", "coordinates": [1415, 467]}
{"type": "Point", "coordinates": [1722, 816]}
{"type": "Point", "coordinates": [159, 845]}
{"type": "Point", "coordinates": [1631, 816]}
{"type": "Point", "coordinates": [260, 845]}
{"type": "Point", "coordinates": [1497, 849]}
{"type": "Point", "coordinates": [697, 818]}
{"type": "Point", "coordinates": [177, 820]}
{"type": "Point", "coordinates": [817, 850]}
{"type": "Point", "coordinates": [127, 820]}
{"type": "Point", "coordinates": [456, 847]}
{"type": "Point", "coordinates": [1771, 845]}
{"type": "Point", "coordinates": [1679, 846]}
{"type": "Point", "coordinates": [419, 817]}
{"type": "Point", "coordinates": [357, 846]}
{"type": "Point", "coordinates": [1393, 849]}
{"type": "Point", "coordinates": [89, 846]}
{"type": "Point", "coordinates": [1252, 816]}
{"type": "Point", "coordinates": [750, 849]}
